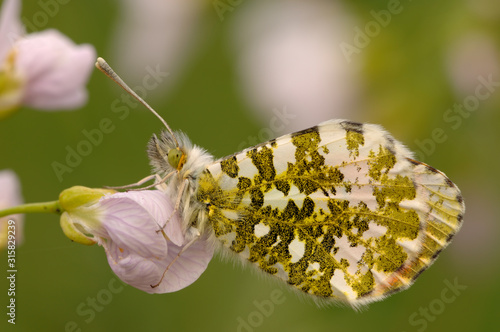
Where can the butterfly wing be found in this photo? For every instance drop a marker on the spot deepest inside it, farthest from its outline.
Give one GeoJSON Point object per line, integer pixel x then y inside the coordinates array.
{"type": "Point", "coordinates": [339, 211]}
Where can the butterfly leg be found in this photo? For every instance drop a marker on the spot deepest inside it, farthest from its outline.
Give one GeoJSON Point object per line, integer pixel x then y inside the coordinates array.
{"type": "Point", "coordinates": [158, 181]}
{"type": "Point", "coordinates": [138, 183]}
{"type": "Point", "coordinates": [182, 187]}
{"type": "Point", "coordinates": [184, 248]}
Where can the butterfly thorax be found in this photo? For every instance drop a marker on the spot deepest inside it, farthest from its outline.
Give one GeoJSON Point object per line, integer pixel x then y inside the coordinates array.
{"type": "Point", "coordinates": [185, 162]}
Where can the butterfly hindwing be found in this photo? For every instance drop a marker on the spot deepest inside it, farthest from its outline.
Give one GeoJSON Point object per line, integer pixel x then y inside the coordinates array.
{"type": "Point", "coordinates": [340, 210]}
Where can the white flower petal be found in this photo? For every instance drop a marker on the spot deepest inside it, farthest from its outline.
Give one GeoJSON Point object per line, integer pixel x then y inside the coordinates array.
{"type": "Point", "coordinates": [161, 208]}
{"type": "Point", "coordinates": [158, 34]}
{"type": "Point", "coordinates": [135, 270]}
{"type": "Point", "coordinates": [141, 272]}
{"type": "Point", "coordinates": [56, 70]}
{"type": "Point", "coordinates": [472, 56]}
{"type": "Point", "coordinates": [187, 268]}
{"type": "Point", "coordinates": [289, 57]}
{"type": "Point", "coordinates": [131, 222]}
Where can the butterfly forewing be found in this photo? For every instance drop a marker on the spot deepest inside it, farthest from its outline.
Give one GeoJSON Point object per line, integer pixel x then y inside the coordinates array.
{"type": "Point", "coordinates": [338, 211]}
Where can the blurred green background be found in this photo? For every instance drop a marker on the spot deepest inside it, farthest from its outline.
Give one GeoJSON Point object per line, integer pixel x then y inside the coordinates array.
{"type": "Point", "coordinates": [406, 87]}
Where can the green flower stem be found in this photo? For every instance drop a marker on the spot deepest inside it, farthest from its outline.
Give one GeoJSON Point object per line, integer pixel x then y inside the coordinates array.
{"type": "Point", "coordinates": [46, 207]}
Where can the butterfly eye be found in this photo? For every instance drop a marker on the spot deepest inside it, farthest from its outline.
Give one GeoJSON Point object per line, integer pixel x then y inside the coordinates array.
{"type": "Point", "coordinates": [176, 158]}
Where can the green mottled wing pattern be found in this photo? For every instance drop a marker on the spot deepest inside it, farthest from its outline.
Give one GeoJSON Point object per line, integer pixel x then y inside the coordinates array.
{"type": "Point", "coordinates": [339, 211]}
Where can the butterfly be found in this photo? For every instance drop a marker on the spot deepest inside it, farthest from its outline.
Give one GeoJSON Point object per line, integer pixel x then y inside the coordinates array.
{"type": "Point", "coordinates": [340, 211]}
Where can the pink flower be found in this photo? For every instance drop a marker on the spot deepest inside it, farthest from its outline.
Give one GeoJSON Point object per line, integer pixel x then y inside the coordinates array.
{"type": "Point", "coordinates": [289, 58]}
{"type": "Point", "coordinates": [127, 226]}
{"type": "Point", "coordinates": [10, 195]}
{"type": "Point", "coordinates": [43, 70]}
{"type": "Point", "coordinates": [156, 36]}
{"type": "Point", "coordinates": [470, 57]}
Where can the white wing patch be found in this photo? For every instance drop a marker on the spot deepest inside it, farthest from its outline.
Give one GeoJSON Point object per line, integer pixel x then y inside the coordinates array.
{"type": "Point", "coordinates": [296, 249]}
{"type": "Point", "coordinates": [261, 230]}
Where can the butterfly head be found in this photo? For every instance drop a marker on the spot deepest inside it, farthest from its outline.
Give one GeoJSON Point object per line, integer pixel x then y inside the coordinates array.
{"type": "Point", "coordinates": [167, 154]}
{"type": "Point", "coordinates": [176, 158]}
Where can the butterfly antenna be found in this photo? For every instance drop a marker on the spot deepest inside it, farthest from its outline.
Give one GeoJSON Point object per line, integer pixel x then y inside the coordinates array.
{"type": "Point", "coordinates": [103, 66]}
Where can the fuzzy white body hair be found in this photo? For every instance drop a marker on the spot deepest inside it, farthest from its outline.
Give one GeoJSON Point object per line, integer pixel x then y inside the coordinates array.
{"type": "Point", "coordinates": [192, 212]}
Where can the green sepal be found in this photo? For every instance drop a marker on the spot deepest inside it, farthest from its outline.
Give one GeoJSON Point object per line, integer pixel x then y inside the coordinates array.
{"type": "Point", "coordinates": [78, 196]}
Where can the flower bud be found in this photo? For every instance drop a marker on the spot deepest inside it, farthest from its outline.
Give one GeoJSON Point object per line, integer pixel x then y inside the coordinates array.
{"type": "Point", "coordinates": [79, 216]}
{"type": "Point", "coordinates": [77, 196]}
